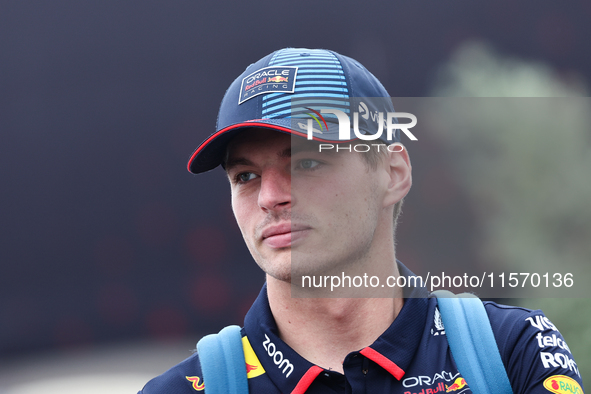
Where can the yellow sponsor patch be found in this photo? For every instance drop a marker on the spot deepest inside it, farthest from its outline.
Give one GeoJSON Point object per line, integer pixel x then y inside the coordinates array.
{"type": "Point", "coordinates": [561, 384]}
{"type": "Point", "coordinates": [253, 365]}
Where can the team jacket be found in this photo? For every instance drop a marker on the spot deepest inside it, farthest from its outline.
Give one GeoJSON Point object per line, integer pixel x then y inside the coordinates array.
{"type": "Point", "coordinates": [411, 357]}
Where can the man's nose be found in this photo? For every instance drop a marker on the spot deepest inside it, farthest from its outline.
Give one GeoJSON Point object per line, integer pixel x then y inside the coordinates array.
{"type": "Point", "coordinates": [275, 192]}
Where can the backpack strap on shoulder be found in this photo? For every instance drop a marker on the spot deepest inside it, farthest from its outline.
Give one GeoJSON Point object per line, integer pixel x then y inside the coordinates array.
{"type": "Point", "coordinates": [472, 342]}
{"type": "Point", "coordinates": [222, 362]}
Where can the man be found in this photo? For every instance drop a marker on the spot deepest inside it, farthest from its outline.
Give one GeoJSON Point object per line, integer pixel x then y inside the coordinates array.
{"type": "Point", "coordinates": [311, 204]}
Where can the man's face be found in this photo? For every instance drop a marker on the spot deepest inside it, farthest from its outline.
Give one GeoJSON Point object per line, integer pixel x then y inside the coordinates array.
{"type": "Point", "coordinates": [300, 208]}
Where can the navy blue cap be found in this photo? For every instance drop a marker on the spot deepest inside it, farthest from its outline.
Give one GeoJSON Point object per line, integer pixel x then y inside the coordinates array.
{"type": "Point", "coordinates": [285, 89]}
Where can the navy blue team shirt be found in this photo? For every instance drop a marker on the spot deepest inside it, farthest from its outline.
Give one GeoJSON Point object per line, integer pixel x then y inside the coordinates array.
{"type": "Point", "coordinates": [411, 357]}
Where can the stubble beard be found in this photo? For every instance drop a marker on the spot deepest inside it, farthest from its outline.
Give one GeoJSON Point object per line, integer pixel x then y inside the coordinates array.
{"type": "Point", "coordinates": [276, 263]}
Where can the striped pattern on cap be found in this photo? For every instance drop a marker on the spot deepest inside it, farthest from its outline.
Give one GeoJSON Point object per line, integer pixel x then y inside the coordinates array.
{"type": "Point", "coordinates": [320, 83]}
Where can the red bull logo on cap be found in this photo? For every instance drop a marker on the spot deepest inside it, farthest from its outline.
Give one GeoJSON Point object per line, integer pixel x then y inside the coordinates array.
{"type": "Point", "coordinates": [278, 79]}
{"type": "Point", "coordinates": [272, 79]}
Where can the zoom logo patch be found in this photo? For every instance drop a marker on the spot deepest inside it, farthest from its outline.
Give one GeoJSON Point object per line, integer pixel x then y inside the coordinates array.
{"type": "Point", "coordinates": [277, 357]}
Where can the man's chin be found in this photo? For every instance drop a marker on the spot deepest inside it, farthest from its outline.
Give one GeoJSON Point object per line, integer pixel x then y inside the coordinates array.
{"type": "Point", "coordinates": [281, 276]}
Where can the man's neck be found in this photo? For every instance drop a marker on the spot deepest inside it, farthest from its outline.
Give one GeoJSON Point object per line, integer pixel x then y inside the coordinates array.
{"type": "Point", "coordinates": [325, 330]}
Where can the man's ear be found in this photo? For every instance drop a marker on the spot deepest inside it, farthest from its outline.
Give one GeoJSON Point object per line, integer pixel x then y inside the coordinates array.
{"type": "Point", "coordinates": [399, 172]}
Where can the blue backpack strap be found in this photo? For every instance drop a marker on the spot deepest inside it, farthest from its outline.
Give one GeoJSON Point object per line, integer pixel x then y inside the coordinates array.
{"type": "Point", "coordinates": [222, 362]}
{"type": "Point", "coordinates": [472, 342]}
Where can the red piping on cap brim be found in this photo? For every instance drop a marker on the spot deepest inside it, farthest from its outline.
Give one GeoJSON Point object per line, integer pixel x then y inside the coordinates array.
{"type": "Point", "coordinates": [252, 124]}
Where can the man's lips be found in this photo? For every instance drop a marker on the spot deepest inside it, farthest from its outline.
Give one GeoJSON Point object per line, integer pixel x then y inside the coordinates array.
{"type": "Point", "coordinates": [283, 235]}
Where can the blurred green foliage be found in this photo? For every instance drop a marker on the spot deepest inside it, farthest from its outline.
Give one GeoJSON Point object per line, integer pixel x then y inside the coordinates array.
{"type": "Point", "coordinates": [524, 158]}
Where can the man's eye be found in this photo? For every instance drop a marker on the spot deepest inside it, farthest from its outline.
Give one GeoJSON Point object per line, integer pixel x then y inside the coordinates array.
{"type": "Point", "coordinates": [308, 164]}
{"type": "Point", "coordinates": [245, 176]}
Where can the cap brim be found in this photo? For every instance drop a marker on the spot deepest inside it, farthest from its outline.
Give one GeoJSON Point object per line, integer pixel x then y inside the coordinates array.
{"type": "Point", "coordinates": [210, 153]}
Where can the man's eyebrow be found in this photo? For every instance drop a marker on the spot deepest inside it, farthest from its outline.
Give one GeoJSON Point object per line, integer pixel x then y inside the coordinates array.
{"type": "Point", "coordinates": [233, 162]}
{"type": "Point", "coordinates": [304, 148]}
{"type": "Point", "coordinates": [286, 153]}
{"type": "Point", "coordinates": [310, 147]}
